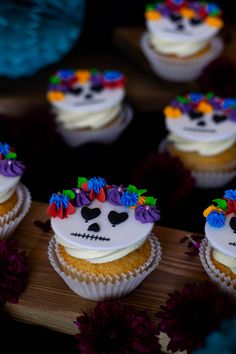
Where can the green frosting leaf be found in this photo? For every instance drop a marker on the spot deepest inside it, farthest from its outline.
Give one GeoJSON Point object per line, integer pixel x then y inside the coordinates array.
{"type": "Point", "coordinates": [182, 99]}
{"type": "Point", "coordinates": [132, 189]}
{"type": "Point", "coordinates": [69, 193]}
{"type": "Point", "coordinates": [221, 203]}
{"type": "Point", "coordinates": [150, 7]}
{"type": "Point", "coordinates": [11, 155]}
{"type": "Point", "coordinates": [81, 180]}
{"type": "Point", "coordinates": [55, 80]}
{"type": "Point", "coordinates": [209, 95]}
{"type": "Point", "coordinates": [141, 191]}
{"type": "Point", "coordinates": [150, 201]}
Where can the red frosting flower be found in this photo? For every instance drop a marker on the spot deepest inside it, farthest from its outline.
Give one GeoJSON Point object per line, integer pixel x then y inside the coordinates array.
{"type": "Point", "coordinates": [175, 5]}
{"type": "Point", "coordinates": [115, 328]}
{"type": "Point", "coordinates": [13, 271]}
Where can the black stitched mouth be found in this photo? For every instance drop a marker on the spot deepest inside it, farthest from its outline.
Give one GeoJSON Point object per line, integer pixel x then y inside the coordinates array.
{"type": "Point", "coordinates": [84, 103]}
{"type": "Point", "coordinates": [200, 130]}
{"type": "Point", "coordinates": [173, 30]}
{"type": "Point", "coordinates": [90, 237]}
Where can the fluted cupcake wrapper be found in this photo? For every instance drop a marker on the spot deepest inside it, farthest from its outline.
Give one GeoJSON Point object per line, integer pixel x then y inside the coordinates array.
{"type": "Point", "coordinates": [226, 283]}
{"type": "Point", "coordinates": [180, 69]}
{"type": "Point", "coordinates": [103, 287]}
{"type": "Point", "coordinates": [7, 229]}
{"type": "Point", "coordinates": [107, 135]}
{"type": "Point", "coordinates": [6, 218]}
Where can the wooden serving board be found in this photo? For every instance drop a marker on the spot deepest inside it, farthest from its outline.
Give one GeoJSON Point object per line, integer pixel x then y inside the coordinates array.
{"type": "Point", "coordinates": [49, 302]}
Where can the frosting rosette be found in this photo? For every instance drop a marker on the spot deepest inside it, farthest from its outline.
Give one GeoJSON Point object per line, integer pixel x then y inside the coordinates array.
{"type": "Point", "coordinates": [147, 213]}
{"type": "Point", "coordinates": [11, 168]}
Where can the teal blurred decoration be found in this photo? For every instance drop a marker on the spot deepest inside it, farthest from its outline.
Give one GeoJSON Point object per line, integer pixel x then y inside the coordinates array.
{"type": "Point", "coordinates": [35, 33]}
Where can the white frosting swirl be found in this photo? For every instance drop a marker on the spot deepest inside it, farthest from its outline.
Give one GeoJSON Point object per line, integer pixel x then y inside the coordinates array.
{"type": "Point", "coordinates": [228, 261]}
{"type": "Point", "coordinates": [7, 187]}
{"type": "Point", "coordinates": [98, 256]}
{"type": "Point", "coordinates": [180, 48]}
{"type": "Point", "coordinates": [202, 148]}
{"type": "Point", "coordinates": [94, 120]}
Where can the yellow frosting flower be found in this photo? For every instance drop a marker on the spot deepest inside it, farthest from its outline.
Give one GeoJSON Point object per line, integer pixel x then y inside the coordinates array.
{"type": "Point", "coordinates": [152, 15]}
{"type": "Point", "coordinates": [210, 209]}
{"type": "Point", "coordinates": [83, 76]}
{"type": "Point", "coordinates": [204, 107]}
{"type": "Point", "coordinates": [187, 13]}
{"type": "Point", "coordinates": [55, 96]}
{"type": "Point", "coordinates": [172, 112]}
{"type": "Point", "coordinates": [215, 22]}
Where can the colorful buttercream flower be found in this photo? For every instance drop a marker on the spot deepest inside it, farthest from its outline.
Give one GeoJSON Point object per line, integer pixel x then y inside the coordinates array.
{"type": "Point", "coordinates": [147, 213]}
{"type": "Point", "coordinates": [129, 199]}
{"type": "Point", "coordinates": [11, 168]}
{"type": "Point", "coordinates": [4, 149]}
{"type": "Point", "coordinates": [216, 219]}
{"type": "Point", "coordinates": [175, 5]}
{"type": "Point", "coordinates": [60, 206]}
{"type": "Point", "coordinates": [172, 112]}
{"type": "Point", "coordinates": [96, 187]}
{"type": "Point", "coordinates": [114, 194]}
{"type": "Point", "coordinates": [81, 197]}
{"type": "Point", "coordinates": [230, 194]}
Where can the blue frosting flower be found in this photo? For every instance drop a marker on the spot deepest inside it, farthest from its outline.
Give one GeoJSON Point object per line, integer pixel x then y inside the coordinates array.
{"type": "Point", "coordinates": [222, 341]}
{"type": "Point", "coordinates": [229, 103]}
{"type": "Point", "coordinates": [96, 183]}
{"type": "Point", "coordinates": [216, 219]}
{"type": "Point", "coordinates": [129, 199]}
{"type": "Point", "coordinates": [4, 148]}
{"type": "Point", "coordinates": [65, 74]}
{"type": "Point", "coordinates": [230, 194]}
{"type": "Point", "coordinates": [59, 200]}
{"type": "Point", "coordinates": [195, 97]}
{"type": "Point", "coordinates": [213, 9]}
{"type": "Point", "coordinates": [111, 75]}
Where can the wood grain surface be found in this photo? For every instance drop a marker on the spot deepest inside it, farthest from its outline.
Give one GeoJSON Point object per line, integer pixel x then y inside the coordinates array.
{"type": "Point", "coordinates": [49, 302]}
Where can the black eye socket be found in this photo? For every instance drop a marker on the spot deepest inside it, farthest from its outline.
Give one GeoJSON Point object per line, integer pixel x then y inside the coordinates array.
{"type": "Point", "coordinates": [201, 123]}
{"type": "Point", "coordinates": [89, 213]}
{"type": "Point", "coordinates": [97, 88]}
{"type": "Point", "coordinates": [195, 21]}
{"type": "Point", "coordinates": [217, 118]}
{"type": "Point", "coordinates": [232, 224]}
{"type": "Point", "coordinates": [117, 218]}
{"type": "Point", "coordinates": [175, 17]}
{"type": "Point", "coordinates": [75, 90]}
{"type": "Point", "coordinates": [193, 115]}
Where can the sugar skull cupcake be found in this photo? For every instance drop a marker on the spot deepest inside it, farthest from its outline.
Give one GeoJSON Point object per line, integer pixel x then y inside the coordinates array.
{"type": "Point", "coordinates": [88, 105]}
{"type": "Point", "coordinates": [181, 38]}
{"type": "Point", "coordinates": [103, 245]}
{"type": "Point", "coordinates": [203, 134]}
{"type": "Point", "coordinates": [218, 250]}
{"type": "Point", "coordinates": [15, 198]}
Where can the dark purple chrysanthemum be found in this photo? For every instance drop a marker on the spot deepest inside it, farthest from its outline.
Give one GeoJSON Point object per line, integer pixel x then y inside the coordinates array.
{"type": "Point", "coordinates": [13, 271]}
{"type": "Point", "coordinates": [191, 314]}
{"type": "Point", "coordinates": [112, 327]}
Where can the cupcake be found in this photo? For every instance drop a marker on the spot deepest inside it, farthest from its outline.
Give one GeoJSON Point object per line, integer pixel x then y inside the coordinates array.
{"type": "Point", "coordinates": [181, 38]}
{"type": "Point", "coordinates": [202, 133]}
{"type": "Point", "coordinates": [103, 246]}
{"type": "Point", "coordinates": [89, 105]}
{"type": "Point", "coordinates": [218, 249]}
{"type": "Point", "coordinates": [15, 198]}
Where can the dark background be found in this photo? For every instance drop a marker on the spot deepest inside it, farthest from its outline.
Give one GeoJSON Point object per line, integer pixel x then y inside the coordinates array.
{"type": "Point", "coordinates": [52, 166]}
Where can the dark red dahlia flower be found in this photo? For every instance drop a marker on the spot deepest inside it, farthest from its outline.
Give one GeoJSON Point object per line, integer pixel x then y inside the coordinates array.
{"type": "Point", "coordinates": [13, 271]}
{"type": "Point", "coordinates": [115, 328]}
{"type": "Point", "coordinates": [191, 314]}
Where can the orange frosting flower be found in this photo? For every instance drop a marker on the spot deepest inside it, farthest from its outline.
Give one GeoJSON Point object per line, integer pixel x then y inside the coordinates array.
{"type": "Point", "coordinates": [83, 76]}
{"type": "Point", "coordinates": [55, 96]}
{"type": "Point", "coordinates": [215, 22]}
{"type": "Point", "coordinates": [210, 209]}
{"type": "Point", "coordinates": [204, 107]}
{"type": "Point", "coordinates": [187, 13]}
{"type": "Point", "coordinates": [172, 112]}
{"type": "Point", "coordinates": [152, 15]}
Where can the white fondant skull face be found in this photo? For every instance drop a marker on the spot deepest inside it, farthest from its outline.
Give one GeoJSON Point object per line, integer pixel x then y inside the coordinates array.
{"type": "Point", "coordinates": [178, 28]}
{"type": "Point", "coordinates": [101, 226]}
{"type": "Point", "coordinates": [90, 98]}
{"type": "Point", "coordinates": [198, 126]}
{"type": "Point", "coordinates": [223, 239]}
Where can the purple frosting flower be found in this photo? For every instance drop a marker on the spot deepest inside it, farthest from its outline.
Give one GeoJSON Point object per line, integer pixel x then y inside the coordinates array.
{"type": "Point", "coordinates": [81, 198]}
{"type": "Point", "coordinates": [11, 168]}
{"type": "Point", "coordinates": [232, 115]}
{"type": "Point", "coordinates": [147, 213]}
{"type": "Point", "coordinates": [114, 195]}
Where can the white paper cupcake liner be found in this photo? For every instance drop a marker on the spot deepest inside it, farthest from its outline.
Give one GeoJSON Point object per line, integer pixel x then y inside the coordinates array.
{"type": "Point", "coordinates": [178, 69]}
{"type": "Point", "coordinates": [7, 229]}
{"type": "Point", "coordinates": [100, 288]}
{"type": "Point", "coordinates": [211, 179]}
{"type": "Point", "coordinates": [6, 218]}
{"type": "Point", "coordinates": [75, 138]}
{"type": "Point", "coordinates": [226, 283]}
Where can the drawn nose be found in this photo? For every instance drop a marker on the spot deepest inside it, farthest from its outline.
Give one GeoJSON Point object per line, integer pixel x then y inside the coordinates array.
{"type": "Point", "coordinates": [94, 227]}
{"type": "Point", "coordinates": [180, 27]}
{"type": "Point", "coordinates": [88, 96]}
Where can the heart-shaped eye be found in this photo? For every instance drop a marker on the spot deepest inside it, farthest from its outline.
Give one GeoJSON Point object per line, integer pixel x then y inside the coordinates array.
{"type": "Point", "coordinates": [75, 90]}
{"type": "Point", "coordinates": [233, 223]}
{"type": "Point", "coordinates": [217, 118]}
{"type": "Point", "coordinates": [117, 218]}
{"type": "Point", "coordinates": [195, 21]}
{"type": "Point", "coordinates": [97, 88]}
{"type": "Point", "coordinates": [89, 213]}
{"type": "Point", "coordinates": [195, 115]}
